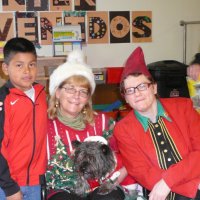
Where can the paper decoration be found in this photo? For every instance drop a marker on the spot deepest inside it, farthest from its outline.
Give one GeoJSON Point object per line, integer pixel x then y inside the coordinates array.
{"type": "Point", "coordinates": [67, 33]}
{"type": "Point", "coordinates": [1, 49]}
{"type": "Point", "coordinates": [141, 26]}
{"type": "Point", "coordinates": [37, 5]}
{"type": "Point", "coordinates": [6, 26]}
{"type": "Point", "coordinates": [60, 5]}
{"type": "Point", "coordinates": [85, 4]}
{"type": "Point", "coordinates": [75, 18]}
{"type": "Point", "coordinates": [66, 38]}
{"type": "Point", "coordinates": [13, 5]}
{"type": "Point", "coordinates": [76, 45]}
{"type": "Point", "coordinates": [47, 21]}
{"type": "Point", "coordinates": [119, 27]}
{"type": "Point", "coordinates": [63, 48]}
{"type": "Point", "coordinates": [27, 26]}
{"type": "Point", "coordinates": [97, 27]}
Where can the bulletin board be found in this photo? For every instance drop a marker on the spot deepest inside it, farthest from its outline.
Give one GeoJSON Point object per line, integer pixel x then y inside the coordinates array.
{"type": "Point", "coordinates": [35, 19]}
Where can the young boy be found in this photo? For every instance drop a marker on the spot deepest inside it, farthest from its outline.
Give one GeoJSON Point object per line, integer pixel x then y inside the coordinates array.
{"type": "Point", "coordinates": [22, 124]}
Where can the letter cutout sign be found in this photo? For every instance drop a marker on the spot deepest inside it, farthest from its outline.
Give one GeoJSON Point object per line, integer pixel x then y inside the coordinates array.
{"type": "Point", "coordinates": [6, 26]}
{"type": "Point", "coordinates": [13, 5]}
{"type": "Point", "coordinates": [120, 27]}
{"type": "Point", "coordinates": [27, 26]}
{"type": "Point", "coordinates": [97, 27]}
{"type": "Point", "coordinates": [142, 26]}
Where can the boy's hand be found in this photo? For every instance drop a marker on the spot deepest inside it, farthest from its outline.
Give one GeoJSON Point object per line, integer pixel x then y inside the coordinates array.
{"type": "Point", "coordinates": [1, 104]}
{"type": "Point", "coordinates": [16, 196]}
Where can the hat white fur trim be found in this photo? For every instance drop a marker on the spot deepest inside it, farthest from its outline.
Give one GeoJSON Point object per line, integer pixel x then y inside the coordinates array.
{"type": "Point", "coordinates": [75, 65]}
{"type": "Point", "coordinates": [96, 139]}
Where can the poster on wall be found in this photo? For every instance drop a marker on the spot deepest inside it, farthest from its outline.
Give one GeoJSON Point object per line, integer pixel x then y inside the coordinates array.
{"type": "Point", "coordinates": [6, 26]}
{"type": "Point", "coordinates": [75, 18]}
{"type": "Point", "coordinates": [141, 26]}
{"type": "Point", "coordinates": [27, 26]}
{"type": "Point", "coordinates": [37, 5]}
{"type": "Point", "coordinates": [119, 26]}
{"type": "Point", "coordinates": [13, 5]}
{"type": "Point", "coordinates": [85, 5]}
{"type": "Point", "coordinates": [47, 21]}
{"type": "Point", "coordinates": [60, 5]}
{"type": "Point", "coordinates": [97, 26]}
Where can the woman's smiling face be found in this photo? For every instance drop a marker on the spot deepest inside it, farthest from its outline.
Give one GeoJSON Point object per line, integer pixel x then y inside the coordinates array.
{"type": "Point", "coordinates": [72, 98]}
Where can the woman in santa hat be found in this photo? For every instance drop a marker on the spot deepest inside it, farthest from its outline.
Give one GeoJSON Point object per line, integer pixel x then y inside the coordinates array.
{"type": "Point", "coordinates": [71, 117]}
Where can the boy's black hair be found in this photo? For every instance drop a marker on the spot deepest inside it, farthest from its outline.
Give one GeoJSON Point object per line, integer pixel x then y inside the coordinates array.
{"type": "Point", "coordinates": [196, 59]}
{"type": "Point", "coordinates": [17, 45]}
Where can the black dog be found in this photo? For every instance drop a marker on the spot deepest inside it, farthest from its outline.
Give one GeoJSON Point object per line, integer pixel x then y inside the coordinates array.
{"type": "Point", "coordinates": [93, 161]}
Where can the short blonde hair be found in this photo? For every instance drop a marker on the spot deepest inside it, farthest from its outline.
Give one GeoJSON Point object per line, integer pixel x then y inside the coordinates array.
{"type": "Point", "coordinates": [79, 81]}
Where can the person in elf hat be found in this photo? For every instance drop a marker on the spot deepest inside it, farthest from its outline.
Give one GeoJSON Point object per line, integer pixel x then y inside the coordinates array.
{"type": "Point", "coordinates": [71, 117]}
{"type": "Point", "coordinates": [159, 140]}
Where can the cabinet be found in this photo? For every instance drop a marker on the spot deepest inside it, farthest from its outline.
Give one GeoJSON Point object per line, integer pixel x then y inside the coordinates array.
{"type": "Point", "coordinates": [106, 94]}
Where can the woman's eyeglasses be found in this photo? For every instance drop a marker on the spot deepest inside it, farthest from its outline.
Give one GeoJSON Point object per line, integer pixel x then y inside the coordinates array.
{"type": "Point", "coordinates": [71, 90]}
{"type": "Point", "coordinates": [140, 87]}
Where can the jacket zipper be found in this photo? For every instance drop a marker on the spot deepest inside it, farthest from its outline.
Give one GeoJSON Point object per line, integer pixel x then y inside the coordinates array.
{"type": "Point", "coordinates": [34, 144]}
{"type": "Point", "coordinates": [34, 139]}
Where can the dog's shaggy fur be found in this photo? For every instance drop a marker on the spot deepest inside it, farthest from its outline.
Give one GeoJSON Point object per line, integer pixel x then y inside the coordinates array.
{"type": "Point", "coordinates": [92, 160]}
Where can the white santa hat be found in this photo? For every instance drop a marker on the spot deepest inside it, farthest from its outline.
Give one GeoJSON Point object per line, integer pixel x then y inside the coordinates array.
{"type": "Point", "coordinates": [75, 65]}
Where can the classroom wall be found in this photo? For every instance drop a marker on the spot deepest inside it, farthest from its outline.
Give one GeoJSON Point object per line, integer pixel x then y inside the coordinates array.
{"type": "Point", "coordinates": [167, 34]}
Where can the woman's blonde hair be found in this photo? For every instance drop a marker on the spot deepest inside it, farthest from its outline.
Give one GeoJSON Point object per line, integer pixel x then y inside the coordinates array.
{"type": "Point", "coordinates": [78, 80]}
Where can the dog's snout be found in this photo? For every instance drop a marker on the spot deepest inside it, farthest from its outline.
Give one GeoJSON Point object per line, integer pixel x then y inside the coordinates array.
{"type": "Point", "coordinates": [83, 167]}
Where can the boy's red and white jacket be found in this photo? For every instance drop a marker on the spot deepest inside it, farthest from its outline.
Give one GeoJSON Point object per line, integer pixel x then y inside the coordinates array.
{"type": "Point", "coordinates": [23, 138]}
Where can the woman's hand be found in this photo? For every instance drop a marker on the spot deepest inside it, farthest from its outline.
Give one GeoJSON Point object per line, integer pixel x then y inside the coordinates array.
{"type": "Point", "coordinates": [160, 191]}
